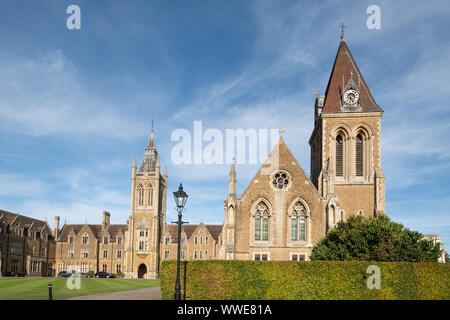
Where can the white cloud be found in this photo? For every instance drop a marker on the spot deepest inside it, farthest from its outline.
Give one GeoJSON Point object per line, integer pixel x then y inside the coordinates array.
{"type": "Point", "coordinates": [45, 95]}
{"type": "Point", "coordinates": [16, 185]}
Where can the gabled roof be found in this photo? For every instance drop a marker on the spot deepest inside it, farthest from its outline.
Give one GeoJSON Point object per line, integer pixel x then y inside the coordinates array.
{"type": "Point", "coordinates": [9, 217]}
{"type": "Point", "coordinates": [112, 230]}
{"type": "Point", "coordinates": [214, 230]}
{"type": "Point", "coordinates": [278, 150]}
{"type": "Point", "coordinates": [344, 65]}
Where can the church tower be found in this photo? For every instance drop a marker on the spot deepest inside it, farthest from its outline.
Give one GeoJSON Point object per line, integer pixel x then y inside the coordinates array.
{"type": "Point", "coordinates": [345, 144]}
{"type": "Point", "coordinates": [147, 218]}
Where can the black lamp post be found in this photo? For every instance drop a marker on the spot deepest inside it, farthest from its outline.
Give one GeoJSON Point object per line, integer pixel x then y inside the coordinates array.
{"type": "Point", "coordinates": [180, 200]}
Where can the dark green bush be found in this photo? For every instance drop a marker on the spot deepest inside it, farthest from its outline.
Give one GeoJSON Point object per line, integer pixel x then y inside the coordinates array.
{"type": "Point", "coordinates": [289, 280]}
{"type": "Point", "coordinates": [374, 239]}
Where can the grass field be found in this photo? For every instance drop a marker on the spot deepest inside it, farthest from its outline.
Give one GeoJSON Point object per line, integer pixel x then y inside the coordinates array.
{"type": "Point", "coordinates": [37, 288]}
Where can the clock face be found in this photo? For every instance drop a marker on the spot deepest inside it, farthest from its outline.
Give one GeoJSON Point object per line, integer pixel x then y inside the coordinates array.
{"type": "Point", "coordinates": [351, 96]}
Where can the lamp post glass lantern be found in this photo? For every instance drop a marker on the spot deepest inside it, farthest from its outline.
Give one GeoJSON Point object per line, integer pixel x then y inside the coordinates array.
{"type": "Point", "coordinates": [180, 200]}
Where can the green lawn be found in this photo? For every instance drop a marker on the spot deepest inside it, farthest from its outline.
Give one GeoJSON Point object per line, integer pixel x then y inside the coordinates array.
{"type": "Point", "coordinates": [37, 288]}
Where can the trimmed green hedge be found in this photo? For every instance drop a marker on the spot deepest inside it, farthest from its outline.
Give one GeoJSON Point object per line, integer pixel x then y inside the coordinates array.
{"type": "Point", "coordinates": [289, 280]}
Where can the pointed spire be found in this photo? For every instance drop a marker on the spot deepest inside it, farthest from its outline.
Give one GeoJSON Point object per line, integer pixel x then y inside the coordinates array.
{"type": "Point", "coordinates": [233, 166]}
{"type": "Point", "coordinates": [151, 142]}
{"type": "Point", "coordinates": [232, 178]}
{"type": "Point", "coordinates": [165, 170]}
{"type": "Point", "coordinates": [344, 66]}
{"type": "Point", "coordinates": [151, 159]}
{"type": "Point", "coordinates": [134, 161]}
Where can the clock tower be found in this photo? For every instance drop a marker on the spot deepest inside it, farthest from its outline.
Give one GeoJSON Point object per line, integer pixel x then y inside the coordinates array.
{"type": "Point", "coordinates": [147, 217]}
{"type": "Point", "coordinates": [345, 144]}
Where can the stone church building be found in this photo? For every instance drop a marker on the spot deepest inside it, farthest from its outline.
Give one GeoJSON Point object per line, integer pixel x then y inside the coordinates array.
{"type": "Point", "coordinates": [281, 214]}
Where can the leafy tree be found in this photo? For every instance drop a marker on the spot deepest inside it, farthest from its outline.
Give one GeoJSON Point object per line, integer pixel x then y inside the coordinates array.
{"type": "Point", "coordinates": [447, 257]}
{"type": "Point", "coordinates": [378, 239]}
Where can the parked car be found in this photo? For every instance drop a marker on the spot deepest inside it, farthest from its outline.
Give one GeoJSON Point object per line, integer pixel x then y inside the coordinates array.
{"type": "Point", "coordinates": [64, 274]}
{"type": "Point", "coordinates": [15, 274]}
{"type": "Point", "coordinates": [85, 275]}
{"type": "Point", "coordinates": [103, 274]}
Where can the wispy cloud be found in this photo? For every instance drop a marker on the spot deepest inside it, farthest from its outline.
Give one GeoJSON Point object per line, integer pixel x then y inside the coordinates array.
{"type": "Point", "coordinates": [46, 96]}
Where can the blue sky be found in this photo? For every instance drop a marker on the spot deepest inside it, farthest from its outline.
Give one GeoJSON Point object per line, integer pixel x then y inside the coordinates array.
{"type": "Point", "coordinates": [75, 105]}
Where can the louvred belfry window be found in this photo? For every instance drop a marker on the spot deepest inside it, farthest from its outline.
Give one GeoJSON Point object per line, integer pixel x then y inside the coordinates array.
{"type": "Point", "coordinates": [359, 156]}
{"type": "Point", "coordinates": [339, 156]}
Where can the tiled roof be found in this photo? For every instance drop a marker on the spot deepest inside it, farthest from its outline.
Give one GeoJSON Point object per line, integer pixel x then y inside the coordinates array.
{"type": "Point", "coordinates": [25, 221]}
{"type": "Point", "coordinates": [189, 229]}
{"type": "Point", "coordinates": [112, 230]}
{"type": "Point", "coordinates": [215, 230]}
{"type": "Point", "coordinates": [344, 65]}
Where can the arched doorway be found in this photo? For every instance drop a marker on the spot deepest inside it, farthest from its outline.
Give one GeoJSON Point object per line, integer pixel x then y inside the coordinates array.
{"type": "Point", "coordinates": [142, 271]}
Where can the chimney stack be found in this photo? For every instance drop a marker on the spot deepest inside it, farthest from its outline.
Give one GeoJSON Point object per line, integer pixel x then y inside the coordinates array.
{"type": "Point", "coordinates": [56, 228]}
{"type": "Point", "coordinates": [106, 219]}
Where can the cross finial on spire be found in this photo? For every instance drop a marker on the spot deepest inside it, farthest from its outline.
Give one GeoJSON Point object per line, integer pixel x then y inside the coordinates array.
{"type": "Point", "coordinates": [342, 26]}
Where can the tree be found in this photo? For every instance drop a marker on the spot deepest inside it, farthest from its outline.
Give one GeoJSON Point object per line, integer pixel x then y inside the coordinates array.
{"type": "Point", "coordinates": [447, 257]}
{"type": "Point", "coordinates": [378, 239]}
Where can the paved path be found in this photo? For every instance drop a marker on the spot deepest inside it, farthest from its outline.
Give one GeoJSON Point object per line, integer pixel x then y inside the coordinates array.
{"type": "Point", "coordinates": [153, 293]}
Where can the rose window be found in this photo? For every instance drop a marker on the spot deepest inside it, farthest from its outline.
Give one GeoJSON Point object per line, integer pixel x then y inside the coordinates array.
{"type": "Point", "coordinates": [280, 180]}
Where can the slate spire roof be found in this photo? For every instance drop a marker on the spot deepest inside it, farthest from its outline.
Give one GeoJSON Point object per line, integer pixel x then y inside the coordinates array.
{"type": "Point", "coordinates": [151, 158]}
{"type": "Point", "coordinates": [344, 68]}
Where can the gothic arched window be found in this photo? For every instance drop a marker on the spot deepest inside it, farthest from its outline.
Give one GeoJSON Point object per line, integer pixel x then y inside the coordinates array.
{"type": "Point", "coordinates": [298, 225]}
{"type": "Point", "coordinates": [262, 222]}
{"type": "Point", "coordinates": [150, 195]}
{"type": "Point", "coordinates": [140, 195]}
{"type": "Point", "coordinates": [339, 156]}
{"type": "Point", "coordinates": [359, 156]}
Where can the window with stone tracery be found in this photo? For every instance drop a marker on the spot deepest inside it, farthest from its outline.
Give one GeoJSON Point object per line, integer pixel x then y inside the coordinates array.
{"type": "Point", "coordinates": [298, 226]}
{"type": "Point", "coordinates": [262, 222]}
{"type": "Point", "coordinates": [150, 195]}
{"type": "Point", "coordinates": [280, 180]}
{"type": "Point", "coordinates": [140, 195]}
